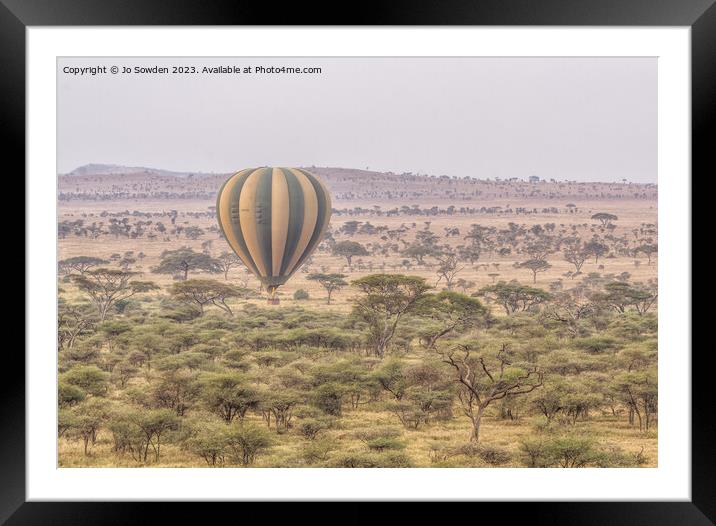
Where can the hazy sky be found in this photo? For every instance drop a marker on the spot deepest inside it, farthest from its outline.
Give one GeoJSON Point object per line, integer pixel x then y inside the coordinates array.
{"type": "Point", "coordinates": [586, 119]}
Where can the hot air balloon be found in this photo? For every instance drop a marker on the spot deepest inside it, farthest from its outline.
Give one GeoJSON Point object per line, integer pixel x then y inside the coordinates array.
{"type": "Point", "coordinates": [273, 219]}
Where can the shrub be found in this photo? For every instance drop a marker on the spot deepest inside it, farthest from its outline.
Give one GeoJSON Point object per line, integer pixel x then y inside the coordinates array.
{"type": "Point", "coordinates": [571, 451]}
{"type": "Point", "coordinates": [317, 451]}
{"type": "Point", "coordinates": [90, 379]}
{"type": "Point", "coordinates": [494, 455]}
{"type": "Point", "coordinates": [210, 441]}
{"type": "Point", "coordinates": [301, 295]}
{"type": "Point", "coordinates": [371, 460]}
{"type": "Point", "coordinates": [384, 444]}
{"type": "Point", "coordinates": [310, 428]}
{"type": "Point", "coordinates": [247, 441]}
{"type": "Point", "coordinates": [69, 394]}
{"type": "Point", "coordinates": [535, 453]}
{"type": "Point", "coordinates": [328, 398]}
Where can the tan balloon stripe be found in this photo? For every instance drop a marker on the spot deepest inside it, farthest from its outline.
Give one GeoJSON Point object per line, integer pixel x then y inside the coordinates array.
{"type": "Point", "coordinates": [329, 208]}
{"type": "Point", "coordinates": [225, 223]}
{"type": "Point", "coordinates": [280, 207]}
{"type": "Point", "coordinates": [310, 216]}
{"type": "Point", "coordinates": [247, 219]}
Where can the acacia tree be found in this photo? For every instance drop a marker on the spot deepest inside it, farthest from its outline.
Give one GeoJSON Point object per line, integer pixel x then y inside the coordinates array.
{"type": "Point", "coordinates": [229, 395]}
{"type": "Point", "coordinates": [184, 260]}
{"type": "Point", "coordinates": [348, 250]}
{"type": "Point", "coordinates": [203, 292]}
{"type": "Point", "coordinates": [386, 299]}
{"type": "Point", "coordinates": [330, 282]}
{"type": "Point", "coordinates": [514, 297]}
{"type": "Point", "coordinates": [604, 218]}
{"type": "Point", "coordinates": [576, 254]}
{"type": "Point", "coordinates": [648, 249]}
{"type": "Point", "coordinates": [448, 268]}
{"type": "Point", "coordinates": [447, 313]}
{"type": "Point", "coordinates": [80, 264]}
{"type": "Point", "coordinates": [73, 321]}
{"type": "Point", "coordinates": [535, 266]}
{"type": "Point", "coordinates": [568, 312]}
{"type": "Point", "coordinates": [418, 252]}
{"type": "Point", "coordinates": [638, 390]}
{"type": "Point", "coordinates": [226, 261]}
{"type": "Point", "coordinates": [107, 286]}
{"type": "Point", "coordinates": [620, 296]}
{"type": "Point", "coordinates": [484, 379]}
{"type": "Point", "coordinates": [596, 249]}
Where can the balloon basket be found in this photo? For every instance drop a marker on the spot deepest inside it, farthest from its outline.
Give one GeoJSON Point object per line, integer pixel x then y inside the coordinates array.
{"type": "Point", "coordinates": [273, 301]}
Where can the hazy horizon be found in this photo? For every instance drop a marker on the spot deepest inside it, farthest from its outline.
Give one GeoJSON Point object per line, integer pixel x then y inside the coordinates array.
{"type": "Point", "coordinates": [575, 119]}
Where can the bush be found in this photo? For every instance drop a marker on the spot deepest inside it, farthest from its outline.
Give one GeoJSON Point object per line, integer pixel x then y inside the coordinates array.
{"type": "Point", "coordinates": [535, 454]}
{"type": "Point", "coordinates": [384, 444]}
{"type": "Point", "coordinates": [328, 398]}
{"type": "Point", "coordinates": [247, 441]}
{"type": "Point", "coordinates": [490, 454]}
{"type": "Point", "coordinates": [91, 379]}
{"type": "Point", "coordinates": [371, 460]}
{"type": "Point", "coordinates": [301, 295]}
{"type": "Point", "coordinates": [494, 455]}
{"type": "Point", "coordinates": [69, 394]}
{"type": "Point", "coordinates": [210, 441]}
{"type": "Point", "coordinates": [571, 451]}
{"type": "Point", "coordinates": [318, 451]}
{"type": "Point", "coordinates": [310, 428]}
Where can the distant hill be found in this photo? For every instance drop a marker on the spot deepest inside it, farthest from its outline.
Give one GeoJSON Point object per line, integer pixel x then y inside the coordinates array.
{"type": "Point", "coordinates": [116, 169]}
{"type": "Point", "coordinates": [111, 182]}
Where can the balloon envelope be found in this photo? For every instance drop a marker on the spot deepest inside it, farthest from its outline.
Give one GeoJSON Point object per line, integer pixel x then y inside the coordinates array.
{"type": "Point", "coordinates": [273, 219]}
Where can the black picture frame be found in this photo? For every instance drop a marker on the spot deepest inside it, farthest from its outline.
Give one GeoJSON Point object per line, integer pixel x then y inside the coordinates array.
{"type": "Point", "coordinates": [699, 15]}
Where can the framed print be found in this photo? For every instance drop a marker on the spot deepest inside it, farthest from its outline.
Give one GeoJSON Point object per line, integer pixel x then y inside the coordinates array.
{"type": "Point", "coordinates": [435, 255]}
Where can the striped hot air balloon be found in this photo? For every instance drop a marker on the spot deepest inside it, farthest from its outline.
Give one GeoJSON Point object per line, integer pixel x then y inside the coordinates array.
{"type": "Point", "coordinates": [273, 219]}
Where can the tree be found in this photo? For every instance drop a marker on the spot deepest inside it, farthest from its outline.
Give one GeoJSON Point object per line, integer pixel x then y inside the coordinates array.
{"type": "Point", "coordinates": [568, 312]}
{"type": "Point", "coordinates": [386, 299]}
{"type": "Point", "coordinates": [209, 440]}
{"type": "Point", "coordinates": [447, 313]}
{"type": "Point", "coordinates": [638, 390]}
{"type": "Point", "coordinates": [154, 424]}
{"type": "Point", "coordinates": [535, 266]}
{"type": "Point", "coordinates": [226, 261]}
{"type": "Point", "coordinates": [246, 441]}
{"type": "Point", "coordinates": [73, 321]}
{"type": "Point", "coordinates": [620, 295]}
{"type": "Point", "coordinates": [193, 232]}
{"type": "Point", "coordinates": [448, 267]}
{"type": "Point", "coordinates": [185, 260]}
{"type": "Point", "coordinates": [349, 249]}
{"type": "Point", "coordinates": [605, 218]}
{"type": "Point", "coordinates": [576, 254]}
{"type": "Point", "coordinates": [330, 282]}
{"type": "Point", "coordinates": [107, 286]}
{"type": "Point", "coordinates": [648, 249]}
{"type": "Point", "coordinates": [90, 378]}
{"type": "Point", "coordinates": [484, 379]}
{"type": "Point", "coordinates": [596, 249]}
{"type": "Point", "coordinates": [80, 264]}
{"type": "Point", "coordinates": [514, 297]}
{"type": "Point", "coordinates": [203, 292]}
{"type": "Point", "coordinates": [418, 252]}
{"type": "Point", "coordinates": [176, 390]}
{"type": "Point", "coordinates": [84, 421]}
{"type": "Point", "coordinates": [229, 395]}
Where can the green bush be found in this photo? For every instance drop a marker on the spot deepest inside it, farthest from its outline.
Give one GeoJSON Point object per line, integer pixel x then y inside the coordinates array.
{"type": "Point", "coordinates": [246, 442]}
{"type": "Point", "coordinates": [328, 398]}
{"type": "Point", "coordinates": [371, 460]}
{"type": "Point", "coordinates": [301, 295]}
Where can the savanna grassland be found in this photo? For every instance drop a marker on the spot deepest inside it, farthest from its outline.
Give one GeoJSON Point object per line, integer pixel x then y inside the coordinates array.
{"type": "Point", "coordinates": [442, 322]}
